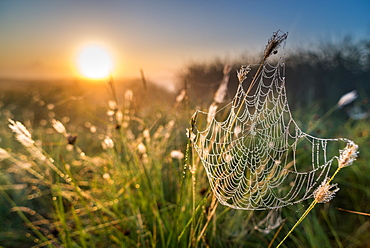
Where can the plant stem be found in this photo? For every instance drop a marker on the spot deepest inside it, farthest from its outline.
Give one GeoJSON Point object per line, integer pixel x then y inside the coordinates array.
{"type": "Point", "coordinates": [313, 204]}
{"type": "Point", "coordinates": [322, 118]}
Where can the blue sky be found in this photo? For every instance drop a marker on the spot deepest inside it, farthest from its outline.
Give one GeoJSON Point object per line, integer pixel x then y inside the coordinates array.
{"type": "Point", "coordinates": [40, 38]}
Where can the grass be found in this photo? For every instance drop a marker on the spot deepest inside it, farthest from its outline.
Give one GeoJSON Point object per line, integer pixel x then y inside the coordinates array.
{"type": "Point", "coordinates": [135, 194]}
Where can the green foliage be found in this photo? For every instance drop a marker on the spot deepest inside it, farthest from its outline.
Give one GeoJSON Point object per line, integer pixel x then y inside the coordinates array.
{"type": "Point", "coordinates": [135, 193]}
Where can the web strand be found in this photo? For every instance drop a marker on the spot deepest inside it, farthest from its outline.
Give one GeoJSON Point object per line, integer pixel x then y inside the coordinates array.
{"type": "Point", "coordinates": [255, 155]}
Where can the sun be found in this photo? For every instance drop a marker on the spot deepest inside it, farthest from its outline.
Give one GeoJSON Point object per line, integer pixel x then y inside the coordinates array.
{"type": "Point", "coordinates": [94, 62]}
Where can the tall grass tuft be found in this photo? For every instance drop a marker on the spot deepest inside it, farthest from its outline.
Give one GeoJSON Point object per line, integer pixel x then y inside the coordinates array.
{"type": "Point", "coordinates": [82, 170]}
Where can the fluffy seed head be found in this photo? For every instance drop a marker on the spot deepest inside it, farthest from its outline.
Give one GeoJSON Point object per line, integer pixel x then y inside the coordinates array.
{"type": "Point", "coordinates": [347, 98]}
{"type": "Point", "coordinates": [176, 154]}
{"type": "Point", "coordinates": [58, 126]}
{"type": "Point", "coordinates": [21, 133]}
{"type": "Point", "coordinates": [348, 155]}
{"type": "Point", "coordinates": [325, 192]}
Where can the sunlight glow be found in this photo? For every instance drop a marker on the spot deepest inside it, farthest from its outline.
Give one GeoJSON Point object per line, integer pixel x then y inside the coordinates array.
{"type": "Point", "coordinates": [94, 62]}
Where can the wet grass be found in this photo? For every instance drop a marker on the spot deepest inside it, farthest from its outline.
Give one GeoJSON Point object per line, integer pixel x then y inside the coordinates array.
{"type": "Point", "coordinates": [65, 192]}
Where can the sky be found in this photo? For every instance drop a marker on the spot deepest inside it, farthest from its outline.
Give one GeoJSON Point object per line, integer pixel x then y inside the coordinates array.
{"type": "Point", "coordinates": [41, 38]}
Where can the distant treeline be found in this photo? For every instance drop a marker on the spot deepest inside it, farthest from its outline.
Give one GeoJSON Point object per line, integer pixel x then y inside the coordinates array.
{"type": "Point", "coordinates": [321, 73]}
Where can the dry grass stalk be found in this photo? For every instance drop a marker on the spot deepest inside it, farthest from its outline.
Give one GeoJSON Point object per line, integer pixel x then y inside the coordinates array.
{"type": "Point", "coordinates": [274, 43]}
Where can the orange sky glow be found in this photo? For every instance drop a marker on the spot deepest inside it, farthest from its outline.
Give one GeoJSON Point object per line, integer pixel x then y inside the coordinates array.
{"type": "Point", "coordinates": [41, 39]}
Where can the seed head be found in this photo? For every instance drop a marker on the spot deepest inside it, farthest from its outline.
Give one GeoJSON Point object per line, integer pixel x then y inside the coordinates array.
{"type": "Point", "coordinates": [243, 72]}
{"type": "Point", "coordinates": [59, 127]}
{"type": "Point", "coordinates": [274, 43]}
{"type": "Point", "coordinates": [21, 133]}
{"type": "Point", "coordinates": [347, 98]}
{"type": "Point", "coordinates": [348, 155]}
{"type": "Point", "coordinates": [325, 192]}
{"type": "Point", "coordinates": [176, 154]}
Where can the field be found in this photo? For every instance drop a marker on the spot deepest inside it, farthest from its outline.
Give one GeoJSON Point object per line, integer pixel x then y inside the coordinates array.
{"type": "Point", "coordinates": [108, 166]}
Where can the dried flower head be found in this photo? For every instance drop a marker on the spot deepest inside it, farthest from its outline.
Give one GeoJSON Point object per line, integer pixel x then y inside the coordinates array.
{"type": "Point", "coordinates": [176, 154]}
{"type": "Point", "coordinates": [348, 155]}
{"type": "Point", "coordinates": [347, 98]}
{"type": "Point", "coordinates": [325, 192]}
{"type": "Point", "coordinates": [21, 133]}
{"type": "Point", "coordinates": [243, 72]}
{"type": "Point", "coordinates": [274, 43]}
{"type": "Point", "coordinates": [59, 127]}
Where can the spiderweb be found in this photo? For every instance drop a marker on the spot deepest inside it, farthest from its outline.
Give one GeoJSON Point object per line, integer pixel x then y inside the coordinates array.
{"type": "Point", "coordinates": [255, 155]}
